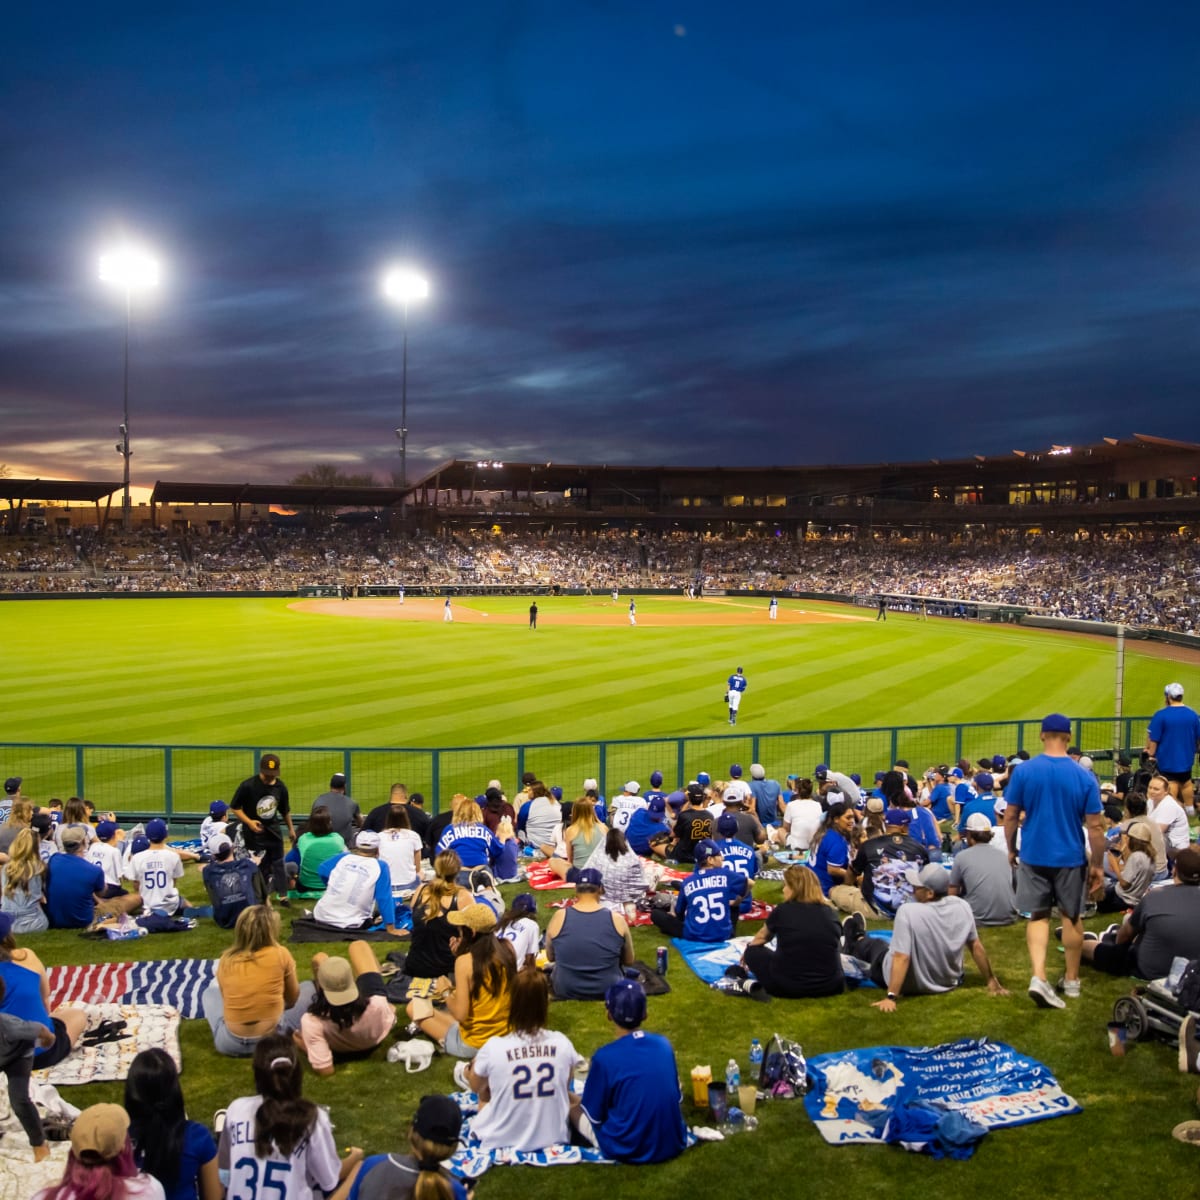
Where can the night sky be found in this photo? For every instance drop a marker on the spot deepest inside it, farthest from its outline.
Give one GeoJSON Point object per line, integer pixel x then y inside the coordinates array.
{"type": "Point", "coordinates": [702, 233]}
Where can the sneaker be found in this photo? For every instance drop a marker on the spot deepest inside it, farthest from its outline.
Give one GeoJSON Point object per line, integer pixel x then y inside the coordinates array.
{"type": "Point", "coordinates": [1189, 1047]}
{"type": "Point", "coordinates": [283, 902]}
{"type": "Point", "coordinates": [853, 928]}
{"type": "Point", "coordinates": [1187, 1131]}
{"type": "Point", "coordinates": [1043, 995]}
{"type": "Point", "coordinates": [1069, 987]}
{"type": "Point", "coordinates": [218, 1121]}
{"type": "Point", "coordinates": [460, 1076]}
{"type": "Point", "coordinates": [481, 880]}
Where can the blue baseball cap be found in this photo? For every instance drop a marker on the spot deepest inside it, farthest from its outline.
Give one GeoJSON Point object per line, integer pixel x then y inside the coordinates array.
{"type": "Point", "coordinates": [735, 771]}
{"type": "Point", "coordinates": [704, 779]}
{"type": "Point", "coordinates": [625, 1002]}
{"type": "Point", "coordinates": [706, 848]}
{"type": "Point", "coordinates": [677, 799]}
{"type": "Point", "coordinates": [218, 808]}
{"type": "Point", "coordinates": [156, 830]}
{"type": "Point", "coordinates": [984, 781]}
{"type": "Point", "coordinates": [821, 770]}
{"type": "Point", "coordinates": [657, 806]}
{"type": "Point", "coordinates": [1056, 723]}
{"type": "Point", "coordinates": [727, 824]}
{"type": "Point", "coordinates": [656, 779]}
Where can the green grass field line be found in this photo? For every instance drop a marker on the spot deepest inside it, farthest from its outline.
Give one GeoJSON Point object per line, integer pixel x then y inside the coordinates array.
{"type": "Point", "coordinates": [257, 672]}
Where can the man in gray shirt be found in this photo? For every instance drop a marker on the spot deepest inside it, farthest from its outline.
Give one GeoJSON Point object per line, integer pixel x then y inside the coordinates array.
{"type": "Point", "coordinates": [1164, 926]}
{"type": "Point", "coordinates": [343, 812]}
{"type": "Point", "coordinates": [982, 876]}
{"type": "Point", "coordinates": [925, 954]}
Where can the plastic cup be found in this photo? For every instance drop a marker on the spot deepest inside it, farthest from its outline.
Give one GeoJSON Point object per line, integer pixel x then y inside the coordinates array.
{"type": "Point", "coordinates": [748, 1098]}
{"type": "Point", "coordinates": [701, 1078]}
{"type": "Point", "coordinates": [1116, 1039]}
{"type": "Point", "coordinates": [718, 1103]}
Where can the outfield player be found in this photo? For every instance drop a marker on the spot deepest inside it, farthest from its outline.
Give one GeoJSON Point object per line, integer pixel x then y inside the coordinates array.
{"type": "Point", "coordinates": [400, 594]}
{"type": "Point", "coordinates": [773, 609]}
{"type": "Point", "coordinates": [735, 688]}
{"type": "Point", "coordinates": [632, 611]}
{"type": "Point", "coordinates": [616, 596]}
{"type": "Point", "coordinates": [630, 1107]}
{"type": "Point", "coordinates": [447, 611]}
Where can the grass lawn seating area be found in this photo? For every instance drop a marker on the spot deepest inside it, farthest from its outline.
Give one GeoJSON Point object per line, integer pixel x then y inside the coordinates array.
{"type": "Point", "coordinates": [263, 672]}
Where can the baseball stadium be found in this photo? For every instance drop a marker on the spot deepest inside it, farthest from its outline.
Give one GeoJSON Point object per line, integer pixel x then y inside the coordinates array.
{"type": "Point", "coordinates": [496, 623]}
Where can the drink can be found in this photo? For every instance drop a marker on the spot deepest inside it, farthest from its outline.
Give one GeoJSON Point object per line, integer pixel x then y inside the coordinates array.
{"type": "Point", "coordinates": [660, 961]}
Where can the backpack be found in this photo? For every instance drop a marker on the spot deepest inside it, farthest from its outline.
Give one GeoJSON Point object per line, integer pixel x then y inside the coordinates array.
{"type": "Point", "coordinates": [1188, 994]}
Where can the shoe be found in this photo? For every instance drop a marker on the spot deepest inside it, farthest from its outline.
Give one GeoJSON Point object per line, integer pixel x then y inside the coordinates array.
{"type": "Point", "coordinates": [1110, 931]}
{"type": "Point", "coordinates": [481, 880]}
{"type": "Point", "coordinates": [1069, 988]}
{"type": "Point", "coordinates": [219, 1121]}
{"type": "Point", "coordinates": [1089, 936]}
{"type": "Point", "coordinates": [283, 902]}
{"type": "Point", "coordinates": [1189, 1047]}
{"type": "Point", "coordinates": [1043, 995]}
{"type": "Point", "coordinates": [1058, 933]}
{"type": "Point", "coordinates": [853, 928]}
{"type": "Point", "coordinates": [460, 1076]}
{"type": "Point", "coordinates": [1187, 1131]}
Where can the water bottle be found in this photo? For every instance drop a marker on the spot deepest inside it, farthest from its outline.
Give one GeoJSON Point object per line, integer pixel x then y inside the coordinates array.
{"type": "Point", "coordinates": [756, 1057]}
{"type": "Point", "coordinates": [733, 1078]}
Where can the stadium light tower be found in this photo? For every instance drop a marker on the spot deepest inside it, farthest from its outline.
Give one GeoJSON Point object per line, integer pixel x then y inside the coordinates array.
{"type": "Point", "coordinates": [131, 270]}
{"type": "Point", "coordinates": [402, 286]}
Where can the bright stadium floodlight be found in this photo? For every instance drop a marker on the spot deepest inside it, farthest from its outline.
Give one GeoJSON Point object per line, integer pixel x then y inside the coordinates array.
{"type": "Point", "coordinates": [402, 286]}
{"type": "Point", "coordinates": [131, 270]}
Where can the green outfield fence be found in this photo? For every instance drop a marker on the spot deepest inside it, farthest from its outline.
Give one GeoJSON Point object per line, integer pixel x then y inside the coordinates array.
{"type": "Point", "coordinates": [181, 781]}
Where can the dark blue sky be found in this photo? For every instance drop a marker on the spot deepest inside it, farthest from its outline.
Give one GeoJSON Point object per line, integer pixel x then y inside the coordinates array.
{"type": "Point", "coordinates": [690, 232]}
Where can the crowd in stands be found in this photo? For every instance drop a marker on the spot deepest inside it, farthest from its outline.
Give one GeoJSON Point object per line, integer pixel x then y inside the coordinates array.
{"type": "Point", "coordinates": [1148, 581]}
{"type": "Point", "coordinates": [939, 857]}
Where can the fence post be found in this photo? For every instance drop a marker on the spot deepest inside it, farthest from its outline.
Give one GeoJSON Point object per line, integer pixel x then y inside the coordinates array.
{"type": "Point", "coordinates": [168, 782]}
{"type": "Point", "coordinates": [679, 759]}
{"type": "Point", "coordinates": [346, 772]}
{"type": "Point", "coordinates": [827, 744]}
{"type": "Point", "coordinates": [957, 742]}
{"type": "Point", "coordinates": [435, 779]}
{"type": "Point", "coordinates": [895, 744]}
{"type": "Point", "coordinates": [754, 754]}
{"type": "Point", "coordinates": [79, 770]}
{"type": "Point", "coordinates": [601, 778]}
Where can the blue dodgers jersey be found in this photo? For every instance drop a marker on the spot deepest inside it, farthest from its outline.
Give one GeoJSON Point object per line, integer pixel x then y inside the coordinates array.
{"type": "Point", "coordinates": [632, 1099]}
{"type": "Point", "coordinates": [739, 857]}
{"type": "Point", "coordinates": [705, 901]}
{"type": "Point", "coordinates": [737, 683]}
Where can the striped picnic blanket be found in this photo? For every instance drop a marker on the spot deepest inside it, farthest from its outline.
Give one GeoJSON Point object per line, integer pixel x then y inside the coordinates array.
{"type": "Point", "coordinates": [177, 982]}
{"type": "Point", "coordinates": [541, 878]}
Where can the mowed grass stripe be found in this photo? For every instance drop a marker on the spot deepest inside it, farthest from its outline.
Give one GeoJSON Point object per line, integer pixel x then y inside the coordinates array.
{"type": "Point", "coordinates": [254, 671]}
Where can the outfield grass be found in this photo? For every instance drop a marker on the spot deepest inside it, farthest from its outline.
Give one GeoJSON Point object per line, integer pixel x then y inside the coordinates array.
{"type": "Point", "coordinates": [258, 673]}
{"type": "Point", "coordinates": [247, 672]}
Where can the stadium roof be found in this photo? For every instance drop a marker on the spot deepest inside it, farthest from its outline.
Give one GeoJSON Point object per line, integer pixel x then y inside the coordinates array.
{"type": "Point", "coordinates": [483, 475]}
{"type": "Point", "coordinates": [286, 495]}
{"type": "Point", "coordinates": [20, 490]}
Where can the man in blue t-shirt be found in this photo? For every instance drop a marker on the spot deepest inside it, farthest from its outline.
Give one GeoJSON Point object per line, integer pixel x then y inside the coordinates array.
{"type": "Point", "coordinates": [1173, 739]}
{"type": "Point", "coordinates": [1049, 801]}
{"type": "Point", "coordinates": [940, 793]}
{"type": "Point", "coordinates": [767, 796]}
{"type": "Point", "coordinates": [75, 886]}
{"type": "Point", "coordinates": [631, 1101]}
{"type": "Point", "coordinates": [706, 910]}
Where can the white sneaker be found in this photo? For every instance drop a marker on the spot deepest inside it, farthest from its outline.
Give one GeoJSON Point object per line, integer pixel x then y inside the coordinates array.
{"type": "Point", "coordinates": [460, 1076]}
{"type": "Point", "coordinates": [1069, 988]}
{"type": "Point", "coordinates": [1043, 995]}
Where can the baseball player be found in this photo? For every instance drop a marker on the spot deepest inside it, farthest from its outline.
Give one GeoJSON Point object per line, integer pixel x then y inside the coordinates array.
{"type": "Point", "coordinates": [773, 609]}
{"type": "Point", "coordinates": [735, 687]}
{"type": "Point", "coordinates": [447, 611]}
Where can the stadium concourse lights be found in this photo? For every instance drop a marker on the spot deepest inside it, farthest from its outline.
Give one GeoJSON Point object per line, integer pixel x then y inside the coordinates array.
{"type": "Point", "coordinates": [403, 286]}
{"type": "Point", "coordinates": [130, 269]}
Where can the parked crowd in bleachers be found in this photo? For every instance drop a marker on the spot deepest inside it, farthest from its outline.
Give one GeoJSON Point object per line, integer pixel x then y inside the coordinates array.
{"type": "Point", "coordinates": [1148, 581]}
